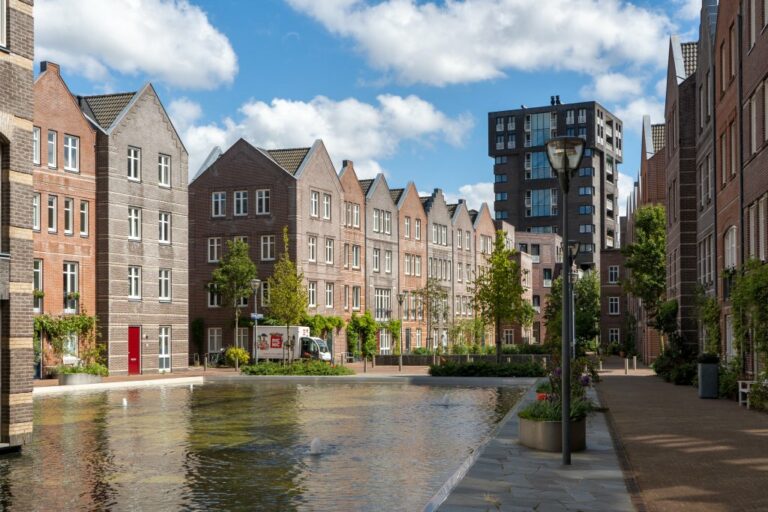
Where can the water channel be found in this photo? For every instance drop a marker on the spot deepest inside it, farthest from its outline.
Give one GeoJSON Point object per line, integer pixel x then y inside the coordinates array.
{"type": "Point", "coordinates": [245, 446]}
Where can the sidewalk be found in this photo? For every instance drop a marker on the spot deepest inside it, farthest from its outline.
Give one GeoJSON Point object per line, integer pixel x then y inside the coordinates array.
{"type": "Point", "coordinates": [682, 453]}
{"type": "Point", "coordinates": [192, 372]}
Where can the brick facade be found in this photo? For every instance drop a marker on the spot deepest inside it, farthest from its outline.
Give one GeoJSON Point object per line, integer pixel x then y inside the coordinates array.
{"type": "Point", "coordinates": [485, 236]}
{"type": "Point", "coordinates": [613, 300]}
{"type": "Point", "coordinates": [545, 250]}
{"type": "Point", "coordinates": [464, 257]}
{"type": "Point", "coordinates": [439, 260]}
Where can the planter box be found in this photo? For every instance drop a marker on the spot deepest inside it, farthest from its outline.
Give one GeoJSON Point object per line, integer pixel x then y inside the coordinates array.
{"type": "Point", "coordinates": [548, 435]}
{"type": "Point", "coordinates": [71, 379]}
{"type": "Point", "coordinates": [708, 380]}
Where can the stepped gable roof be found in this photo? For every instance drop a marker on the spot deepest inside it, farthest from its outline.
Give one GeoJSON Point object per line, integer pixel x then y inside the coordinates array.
{"type": "Point", "coordinates": [657, 137]}
{"type": "Point", "coordinates": [690, 51]}
{"type": "Point", "coordinates": [105, 108]}
{"type": "Point", "coordinates": [289, 159]}
{"type": "Point", "coordinates": [365, 185]}
{"type": "Point", "coordinates": [396, 194]}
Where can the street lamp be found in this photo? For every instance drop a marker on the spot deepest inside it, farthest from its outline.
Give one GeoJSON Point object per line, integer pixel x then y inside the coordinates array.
{"type": "Point", "coordinates": [400, 297]}
{"type": "Point", "coordinates": [565, 154]}
{"type": "Point", "coordinates": [255, 284]}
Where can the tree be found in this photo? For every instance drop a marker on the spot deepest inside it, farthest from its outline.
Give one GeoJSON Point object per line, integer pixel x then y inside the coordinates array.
{"type": "Point", "coordinates": [363, 328]}
{"type": "Point", "coordinates": [498, 291]}
{"type": "Point", "coordinates": [749, 297]}
{"type": "Point", "coordinates": [434, 298]}
{"type": "Point", "coordinates": [232, 278]}
{"type": "Point", "coordinates": [586, 296]}
{"type": "Point", "coordinates": [553, 315]}
{"type": "Point", "coordinates": [287, 293]}
{"type": "Point", "coordinates": [646, 259]}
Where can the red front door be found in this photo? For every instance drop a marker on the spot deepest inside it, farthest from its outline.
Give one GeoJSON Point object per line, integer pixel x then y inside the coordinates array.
{"type": "Point", "coordinates": [134, 350]}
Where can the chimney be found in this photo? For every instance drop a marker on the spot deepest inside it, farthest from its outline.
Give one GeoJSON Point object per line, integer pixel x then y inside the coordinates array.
{"type": "Point", "coordinates": [46, 65]}
{"type": "Point", "coordinates": [346, 163]}
{"type": "Point", "coordinates": [462, 201]}
{"type": "Point", "coordinates": [557, 99]}
{"type": "Point", "coordinates": [551, 100]}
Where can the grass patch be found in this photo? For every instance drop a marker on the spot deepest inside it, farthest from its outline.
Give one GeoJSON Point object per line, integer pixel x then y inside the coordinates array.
{"type": "Point", "coordinates": [297, 368]}
{"type": "Point", "coordinates": [486, 369]}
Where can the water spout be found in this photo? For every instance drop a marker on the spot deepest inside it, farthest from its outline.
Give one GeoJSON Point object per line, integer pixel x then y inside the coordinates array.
{"type": "Point", "coordinates": [316, 447]}
{"type": "Point", "coordinates": [125, 402]}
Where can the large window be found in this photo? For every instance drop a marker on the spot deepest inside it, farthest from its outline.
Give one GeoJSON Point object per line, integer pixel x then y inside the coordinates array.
{"type": "Point", "coordinates": [37, 284]}
{"type": "Point", "coordinates": [267, 247]}
{"type": "Point", "coordinates": [134, 282]}
{"type": "Point", "coordinates": [53, 203]}
{"type": "Point", "coordinates": [356, 297]}
{"type": "Point", "coordinates": [540, 167]}
{"type": "Point", "coordinates": [214, 249]}
{"type": "Point", "coordinates": [164, 284]}
{"type": "Point", "coordinates": [613, 335]}
{"type": "Point", "coordinates": [214, 339]}
{"type": "Point", "coordinates": [613, 305]}
{"type": "Point", "coordinates": [214, 297]}
{"type": "Point", "coordinates": [71, 153]}
{"type": "Point", "coordinates": [729, 247]}
{"type": "Point", "coordinates": [52, 135]}
{"type": "Point", "coordinates": [540, 128]}
{"type": "Point", "coordinates": [541, 202]}
{"type": "Point", "coordinates": [134, 164]}
{"type": "Point", "coordinates": [218, 204]}
{"type": "Point", "coordinates": [382, 303]}
{"type": "Point", "coordinates": [71, 288]}
{"type": "Point", "coordinates": [262, 202]}
{"type": "Point", "coordinates": [69, 215]}
{"type": "Point", "coordinates": [164, 348]}
{"type": "Point", "coordinates": [164, 170]}
{"type": "Point", "coordinates": [134, 223]}
{"type": "Point", "coordinates": [83, 218]}
{"type": "Point", "coordinates": [241, 203]}
{"type": "Point", "coordinates": [164, 228]}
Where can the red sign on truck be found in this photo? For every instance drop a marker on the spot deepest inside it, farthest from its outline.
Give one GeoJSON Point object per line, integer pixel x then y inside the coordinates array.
{"type": "Point", "coordinates": [276, 341]}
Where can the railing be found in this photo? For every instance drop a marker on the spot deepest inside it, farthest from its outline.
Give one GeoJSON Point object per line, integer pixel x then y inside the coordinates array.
{"type": "Point", "coordinates": [499, 145]}
{"type": "Point", "coordinates": [499, 127]}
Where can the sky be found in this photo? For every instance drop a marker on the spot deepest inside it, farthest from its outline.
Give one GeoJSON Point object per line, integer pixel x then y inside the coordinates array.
{"type": "Point", "coordinates": [402, 87]}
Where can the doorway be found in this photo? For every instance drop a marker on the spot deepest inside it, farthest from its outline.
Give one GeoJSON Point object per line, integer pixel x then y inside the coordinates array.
{"type": "Point", "coordinates": [134, 350]}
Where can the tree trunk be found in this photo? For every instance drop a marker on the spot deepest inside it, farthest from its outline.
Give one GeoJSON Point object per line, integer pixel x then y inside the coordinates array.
{"type": "Point", "coordinates": [498, 340]}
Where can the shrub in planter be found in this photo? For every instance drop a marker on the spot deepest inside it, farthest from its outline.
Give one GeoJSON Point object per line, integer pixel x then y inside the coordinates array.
{"type": "Point", "coordinates": [728, 379]}
{"type": "Point", "coordinates": [90, 369]}
{"type": "Point", "coordinates": [235, 355]}
{"type": "Point", "coordinates": [297, 368]}
{"type": "Point", "coordinates": [486, 369]}
{"type": "Point", "coordinates": [683, 374]}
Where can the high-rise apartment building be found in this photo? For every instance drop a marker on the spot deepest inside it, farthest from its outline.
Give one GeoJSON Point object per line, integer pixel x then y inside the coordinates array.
{"type": "Point", "coordinates": [527, 190]}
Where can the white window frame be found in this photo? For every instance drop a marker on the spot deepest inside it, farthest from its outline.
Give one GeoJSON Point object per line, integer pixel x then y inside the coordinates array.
{"type": "Point", "coordinates": [356, 250]}
{"type": "Point", "coordinates": [36, 211]}
{"type": "Point", "coordinates": [240, 203]}
{"type": "Point", "coordinates": [164, 170]}
{"type": "Point", "coordinates": [356, 298]}
{"type": "Point", "coordinates": [376, 260]}
{"type": "Point", "coordinates": [214, 297]}
{"type": "Point", "coordinates": [314, 203]}
{"type": "Point", "coordinates": [3, 24]}
{"type": "Point", "coordinates": [267, 247]}
{"type": "Point", "coordinates": [312, 294]}
{"type": "Point", "coordinates": [84, 218]}
{"type": "Point", "coordinates": [312, 248]}
{"type": "Point", "coordinates": [214, 249]}
{"type": "Point", "coordinates": [164, 348]}
{"type": "Point", "coordinates": [53, 213]}
{"type": "Point", "coordinates": [164, 227]}
{"type": "Point", "coordinates": [52, 149]}
{"type": "Point", "coordinates": [613, 274]}
{"type": "Point", "coordinates": [329, 249]}
{"type": "Point", "coordinates": [164, 284]}
{"type": "Point", "coordinates": [356, 215]}
{"type": "Point", "coordinates": [407, 227]}
{"type": "Point", "coordinates": [134, 223]}
{"type": "Point", "coordinates": [329, 295]}
{"type": "Point", "coordinates": [729, 247]}
{"type": "Point", "coordinates": [218, 204]}
{"type": "Point", "coordinates": [214, 339]}
{"type": "Point", "coordinates": [262, 202]}
{"type": "Point", "coordinates": [69, 216]}
{"type": "Point", "coordinates": [35, 129]}
{"type": "Point", "coordinates": [387, 222]}
{"type": "Point", "coordinates": [134, 282]}
{"type": "Point", "coordinates": [614, 335]}
{"type": "Point", "coordinates": [459, 239]}
{"type": "Point", "coordinates": [37, 284]}
{"type": "Point", "coordinates": [134, 163]}
{"type": "Point", "coordinates": [388, 262]}
{"type": "Point", "coordinates": [327, 206]}
{"type": "Point", "coordinates": [417, 231]}
{"type": "Point", "coordinates": [71, 153]}
{"type": "Point", "coordinates": [613, 306]}
{"type": "Point", "coordinates": [71, 272]}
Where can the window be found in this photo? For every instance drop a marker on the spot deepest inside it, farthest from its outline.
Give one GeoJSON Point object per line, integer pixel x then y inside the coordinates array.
{"type": "Point", "coordinates": [70, 287]}
{"type": "Point", "coordinates": [346, 297]}
{"type": "Point", "coordinates": [134, 164]}
{"type": "Point", "coordinates": [355, 256]}
{"type": "Point", "coordinates": [586, 247]}
{"type": "Point", "coordinates": [214, 297]}
{"type": "Point", "coordinates": [314, 206]}
{"type": "Point", "coordinates": [328, 295]}
{"type": "Point", "coordinates": [134, 282]}
{"type": "Point", "coordinates": [382, 303]}
{"type": "Point", "coordinates": [540, 202]}
{"type": "Point", "coordinates": [407, 227]}
{"type": "Point", "coordinates": [164, 348]}
{"type": "Point", "coordinates": [312, 248]}
{"type": "Point", "coordinates": [501, 196]}
{"type": "Point", "coordinates": [586, 228]}
{"type": "Point", "coordinates": [242, 337]}
{"type": "Point", "coordinates": [586, 209]}
{"type": "Point", "coordinates": [586, 191]}
{"type": "Point", "coordinates": [262, 202]}
{"type": "Point", "coordinates": [459, 272]}
{"type": "Point", "coordinates": [164, 170]}
{"type": "Point", "coordinates": [547, 274]}
{"type": "Point", "coordinates": [723, 159]}
{"type": "Point", "coordinates": [35, 132]}
{"type": "Point", "coordinates": [164, 284]}
{"type": "Point", "coordinates": [134, 223]}
{"type": "Point", "coordinates": [241, 203]}
{"type": "Point", "coordinates": [52, 148]}
{"type": "Point", "coordinates": [613, 335]}
{"type": "Point", "coordinates": [312, 294]}
{"type": "Point", "coordinates": [71, 153]}
{"type": "Point", "coordinates": [536, 301]}
{"type": "Point", "coordinates": [326, 206]}
{"type": "Point", "coordinates": [509, 337]}
{"type": "Point", "coordinates": [535, 253]}
{"type": "Point", "coordinates": [69, 206]}
{"type": "Point", "coordinates": [613, 274]}
{"type": "Point", "coordinates": [388, 223]}
{"type": "Point", "coordinates": [265, 295]}
{"type": "Point", "coordinates": [214, 249]}
{"type": "Point", "coordinates": [752, 23]}
{"type": "Point", "coordinates": [214, 339]}
{"type": "Point", "coordinates": [37, 284]}
{"type": "Point", "coordinates": [355, 297]}
{"type": "Point", "coordinates": [329, 251]}
{"type": "Point", "coordinates": [164, 227]}
{"type": "Point", "coordinates": [734, 51]}
{"type": "Point", "coordinates": [729, 247]}
{"type": "Point", "coordinates": [376, 258]}
{"type": "Point", "coordinates": [586, 172]}
{"type": "Point", "coordinates": [417, 340]}
{"type": "Point", "coordinates": [538, 166]}
{"type": "Point", "coordinates": [388, 262]}
{"type": "Point", "coordinates": [418, 229]}
{"type": "Point", "coordinates": [53, 202]}
{"type": "Point", "coordinates": [500, 178]}
{"type": "Point", "coordinates": [83, 218]}
{"type": "Point", "coordinates": [459, 238]}
{"type": "Point", "coordinates": [218, 204]}
{"type": "Point", "coordinates": [36, 211]}
{"type": "Point", "coordinates": [267, 247]}
{"type": "Point", "coordinates": [613, 305]}
{"type": "Point", "coordinates": [356, 215]}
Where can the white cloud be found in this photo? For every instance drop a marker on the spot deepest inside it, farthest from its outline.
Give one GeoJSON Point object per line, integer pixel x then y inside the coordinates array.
{"type": "Point", "coordinates": [475, 194]}
{"type": "Point", "coordinates": [689, 9]}
{"type": "Point", "coordinates": [462, 41]}
{"type": "Point", "coordinates": [626, 183]}
{"type": "Point", "coordinates": [611, 87]}
{"type": "Point", "coordinates": [632, 113]}
{"type": "Point", "coordinates": [351, 129]}
{"type": "Point", "coordinates": [169, 40]}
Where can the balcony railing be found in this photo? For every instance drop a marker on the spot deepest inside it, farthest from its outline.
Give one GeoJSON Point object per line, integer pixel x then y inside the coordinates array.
{"type": "Point", "coordinates": [499, 145]}
{"type": "Point", "coordinates": [499, 127]}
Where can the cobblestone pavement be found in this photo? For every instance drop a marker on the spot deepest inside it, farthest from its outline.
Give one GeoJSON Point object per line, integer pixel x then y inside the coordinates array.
{"type": "Point", "coordinates": [510, 477]}
{"type": "Point", "coordinates": [683, 453]}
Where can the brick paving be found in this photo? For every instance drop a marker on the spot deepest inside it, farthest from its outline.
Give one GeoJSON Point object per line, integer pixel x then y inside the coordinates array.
{"type": "Point", "coordinates": [682, 453]}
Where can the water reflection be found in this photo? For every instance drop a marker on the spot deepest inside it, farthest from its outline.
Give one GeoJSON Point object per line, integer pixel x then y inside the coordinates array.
{"type": "Point", "coordinates": [245, 446]}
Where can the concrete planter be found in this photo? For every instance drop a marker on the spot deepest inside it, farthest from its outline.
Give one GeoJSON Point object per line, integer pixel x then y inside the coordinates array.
{"type": "Point", "coordinates": [72, 379]}
{"type": "Point", "coordinates": [708, 380]}
{"type": "Point", "coordinates": [548, 435]}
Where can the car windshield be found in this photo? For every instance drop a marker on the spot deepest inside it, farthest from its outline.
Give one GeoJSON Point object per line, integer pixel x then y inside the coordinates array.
{"type": "Point", "coordinates": [321, 345]}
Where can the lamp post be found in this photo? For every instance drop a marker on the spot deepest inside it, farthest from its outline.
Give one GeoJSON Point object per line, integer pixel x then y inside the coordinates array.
{"type": "Point", "coordinates": [565, 154]}
{"type": "Point", "coordinates": [255, 284]}
{"type": "Point", "coordinates": [400, 297]}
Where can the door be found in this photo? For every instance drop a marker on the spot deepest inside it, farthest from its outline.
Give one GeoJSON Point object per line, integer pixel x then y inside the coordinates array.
{"type": "Point", "coordinates": [134, 350]}
{"type": "Point", "coordinates": [164, 349]}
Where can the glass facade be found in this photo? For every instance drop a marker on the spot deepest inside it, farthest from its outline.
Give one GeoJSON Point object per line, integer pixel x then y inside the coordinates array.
{"type": "Point", "coordinates": [540, 128]}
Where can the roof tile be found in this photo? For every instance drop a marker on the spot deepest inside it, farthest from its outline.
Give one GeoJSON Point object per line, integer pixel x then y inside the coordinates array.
{"type": "Point", "coordinates": [106, 107]}
{"type": "Point", "coordinates": [289, 159]}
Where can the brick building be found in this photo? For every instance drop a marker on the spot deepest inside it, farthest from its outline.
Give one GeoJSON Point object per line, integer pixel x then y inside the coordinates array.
{"type": "Point", "coordinates": [545, 250]}
{"type": "Point", "coordinates": [439, 261]}
{"type": "Point", "coordinates": [16, 291]}
{"type": "Point", "coordinates": [463, 259]}
{"type": "Point", "coordinates": [141, 232]}
{"type": "Point", "coordinates": [613, 300]}
{"type": "Point", "coordinates": [484, 232]}
{"type": "Point", "coordinates": [64, 205]}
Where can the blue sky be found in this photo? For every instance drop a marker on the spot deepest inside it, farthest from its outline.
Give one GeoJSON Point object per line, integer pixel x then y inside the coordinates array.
{"type": "Point", "coordinates": [399, 86]}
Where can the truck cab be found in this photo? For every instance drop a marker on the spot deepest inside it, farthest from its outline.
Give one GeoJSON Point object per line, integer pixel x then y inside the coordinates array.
{"type": "Point", "coordinates": [314, 348]}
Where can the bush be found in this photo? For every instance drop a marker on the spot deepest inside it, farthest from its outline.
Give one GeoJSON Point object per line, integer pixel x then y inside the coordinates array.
{"type": "Point", "coordinates": [297, 368]}
{"type": "Point", "coordinates": [550, 410]}
{"type": "Point", "coordinates": [526, 348]}
{"type": "Point", "coordinates": [486, 369]}
{"type": "Point", "coordinates": [758, 396]}
{"type": "Point", "coordinates": [684, 374]}
{"type": "Point", "coordinates": [90, 369]}
{"type": "Point", "coordinates": [237, 355]}
{"type": "Point", "coordinates": [729, 379]}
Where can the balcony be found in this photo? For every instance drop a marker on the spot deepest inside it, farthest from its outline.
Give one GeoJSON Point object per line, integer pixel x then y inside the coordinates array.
{"type": "Point", "coordinates": [499, 145]}
{"type": "Point", "coordinates": [499, 127]}
{"type": "Point", "coordinates": [511, 144]}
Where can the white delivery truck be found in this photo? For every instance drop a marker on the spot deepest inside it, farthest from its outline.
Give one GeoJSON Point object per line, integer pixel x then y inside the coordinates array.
{"type": "Point", "coordinates": [274, 342]}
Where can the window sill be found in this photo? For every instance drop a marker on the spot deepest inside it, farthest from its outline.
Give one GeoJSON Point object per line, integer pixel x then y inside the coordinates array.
{"type": "Point", "coordinates": [134, 180]}
{"type": "Point", "coordinates": [83, 235]}
{"type": "Point", "coordinates": [164, 244]}
{"type": "Point", "coordinates": [134, 299]}
{"type": "Point", "coordinates": [267, 259]}
{"type": "Point", "coordinates": [160, 185]}
{"type": "Point", "coordinates": [165, 301]}
{"type": "Point", "coordinates": [73, 171]}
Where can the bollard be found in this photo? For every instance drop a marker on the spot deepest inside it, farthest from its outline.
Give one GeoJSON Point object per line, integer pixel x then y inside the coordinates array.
{"type": "Point", "coordinates": [634, 363]}
{"type": "Point", "coordinates": [600, 365]}
{"type": "Point", "coordinates": [544, 362]}
{"type": "Point", "coordinates": [626, 366]}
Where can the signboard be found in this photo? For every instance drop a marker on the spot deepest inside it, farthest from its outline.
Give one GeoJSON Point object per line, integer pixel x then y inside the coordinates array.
{"type": "Point", "coordinates": [256, 316]}
{"type": "Point", "coordinates": [272, 342]}
{"type": "Point", "coordinates": [276, 340]}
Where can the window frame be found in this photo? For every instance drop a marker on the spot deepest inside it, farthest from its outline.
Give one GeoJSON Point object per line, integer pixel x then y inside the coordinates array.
{"type": "Point", "coordinates": [71, 152]}
{"type": "Point", "coordinates": [38, 276]}
{"type": "Point", "coordinates": [262, 201]}
{"type": "Point", "coordinates": [613, 306]}
{"type": "Point", "coordinates": [164, 219]}
{"type": "Point", "coordinates": [134, 223]}
{"type": "Point", "coordinates": [134, 294]}
{"type": "Point", "coordinates": [69, 216]}
{"type": "Point", "coordinates": [71, 274]}
{"type": "Point", "coordinates": [36, 132]}
{"type": "Point", "coordinates": [164, 170]}
{"type": "Point", "coordinates": [268, 242]}
{"type": "Point", "coordinates": [53, 149]}
{"type": "Point", "coordinates": [133, 164]}
{"type": "Point", "coordinates": [164, 284]}
{"type": "Point", "coordinates": [53, 227]}
{"type": "Point", "coordinates": [240, 203]}
{"type": "Point", "coordinates": [36, 202]}
{"type": "Point", "coordinates": [214, 242]}
{"type": "Point", "coordinates": [218, 204]}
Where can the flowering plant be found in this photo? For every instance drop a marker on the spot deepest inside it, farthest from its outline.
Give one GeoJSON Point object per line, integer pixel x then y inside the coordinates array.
{"type": "Point", "coordinates": [550, 408]}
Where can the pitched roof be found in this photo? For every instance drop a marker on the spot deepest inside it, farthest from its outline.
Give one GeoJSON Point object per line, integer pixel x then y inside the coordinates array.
{"type": "Point", "coordinates": [396, 193]}
{"type": "Point", "coordinates": [425, 200]}
{"type": "Point", "coordinates": [365, 185]}
{"type": "Point", "coordinates": [289, 159]}
{"type": "Point", "coordinates": [690, 51]}
{"type": "Point", "coordinates": [105, 108]}
{"type": "Point", "coordinates": [657, 136]}
{"type": "Point", "coordinates": [452, 209]}
{"type": "Point", "coordinates": [473, 215]}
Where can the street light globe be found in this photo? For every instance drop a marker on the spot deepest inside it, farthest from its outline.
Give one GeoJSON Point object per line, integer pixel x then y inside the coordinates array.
{"type": "Point", "coordinates": [565, 153]}
{"type": "Point", "coordinates": [255, 283]}
{"type": "Point", "coordinates": [573, 248]}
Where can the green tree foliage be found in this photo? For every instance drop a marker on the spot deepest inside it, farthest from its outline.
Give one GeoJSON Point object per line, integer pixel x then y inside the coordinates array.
{"type": "Point", "coordinates": [232, 278]}
{"type": "Point", "coordinates": [434, 298]}
{"type": "Point", "coordinates": [586, 296]}
{"type": "Point", "coordinates": [287, 293]}
{"type": "Point", "coordinates": [395, 327]}
{"type": "Point", "coordinates": [708, 313]}
{"type": "Point", "coordinates": [553, 315]}
{"type": "Point", "coordinates": [321, 325]}
{"type": "Point", "coordinates": [749, 300]}
{"type": "Point", "coordinates": [467, 332]}
{"type": "Point", "coordinates": [646, 259]}
{"type": "Point", "coordinates": [57, 328]}
{"type": "Point", "coordinates": [363, 328]}
{"type": "Point", "coordinates": [498, 291]}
